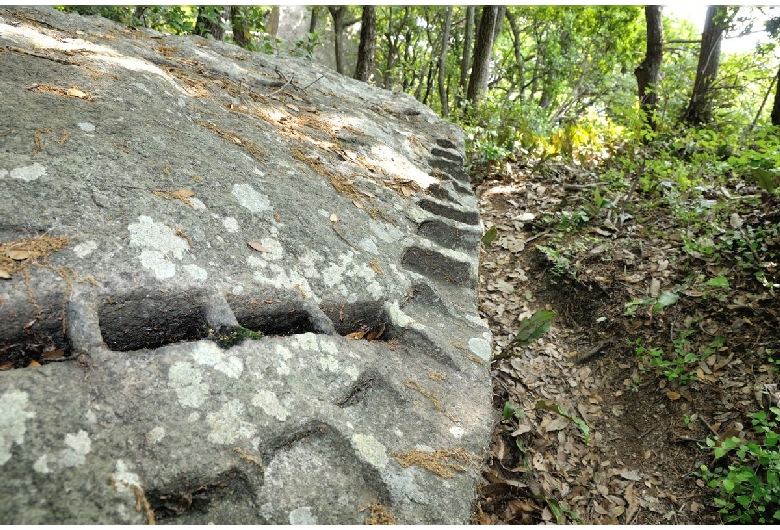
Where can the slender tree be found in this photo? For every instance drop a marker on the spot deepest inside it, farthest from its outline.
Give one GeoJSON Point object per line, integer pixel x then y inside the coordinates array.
{"type": "Point", "coordinates": [480, 70]}
{"type": "Point", "coordinates": [339, 25]}
{"type": "Point", "coordinates": [365, 61]}
{"type": "Point", "coordinates": [465, 62]}
{"type": "Point", "coordinates": [775, 116]}
{"type": "Point", "coordinates": [700, 105]}
{"type": "Point", "coordinates": [337, 13]}
{"type": "Point", "coordinates": [315, 12]}
{"type": "Point", "coordinates": [445, 42]}
{"type": "Point", "coordinates": [240, 27]}
{"type": "Point", "coordinates": [209, 22]}
{"type": "Point", "coordinates": [649, 70]}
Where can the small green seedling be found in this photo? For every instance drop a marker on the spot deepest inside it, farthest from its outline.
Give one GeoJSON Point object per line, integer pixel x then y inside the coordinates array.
{"type": "Point", "coordinates": [543, 405]}
{"type": "Point", "coordinates": [511, 410]}
{"type": "Point", "coordinates": [530, 330]}
{"type": "Point", "coordinates": [489, 236]}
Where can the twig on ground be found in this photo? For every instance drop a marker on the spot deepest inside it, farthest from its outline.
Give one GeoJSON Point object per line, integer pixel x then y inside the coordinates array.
{"type": "Point", "coordinates": [592, 353]}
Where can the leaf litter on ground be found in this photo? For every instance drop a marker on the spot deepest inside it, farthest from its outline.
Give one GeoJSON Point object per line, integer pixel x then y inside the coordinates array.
{"type": "Point", "coordinates": [638, 465]}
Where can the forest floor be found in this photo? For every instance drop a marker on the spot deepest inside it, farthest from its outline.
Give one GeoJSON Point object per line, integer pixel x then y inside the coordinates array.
{"type": "Point", "coordinates": [608, 413]}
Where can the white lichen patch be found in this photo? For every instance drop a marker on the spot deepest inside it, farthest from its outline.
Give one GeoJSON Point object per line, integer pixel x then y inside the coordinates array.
{"type": "Point", "coordinates": [230, 224]}
{"type": "Point", "coordinates": [86, 248]}
{"type": "Point", "coordinates": [123, 478]}
{"type": "Point", "coordinates": [195, 272]}
{"type": "Point", "coordinates": [284, 278]}
{"type": "Point", "coordinates": [370, 449]}
{"type": "Point", "coordinates": [227, 425]}
{"type": "Point", "coordinates": [251, 199]}
{"type": "Point", "coordinates": [457, 431]}
{"type": "Point", "coordinates": [269, 402]}
{"type": "Point", "coordinates": [28, 173]}
{"type": "Point", "coordinates": [86, 127]}
{"type": "Point", "coordinates": [197, 204]}
{"type": "Point", "coordinates": [398, 317]}
{"type": "Point", "coordinates": [329, 364]}
{"type": "Point", "coordinates": [368, 245]}
{"type": "Point", "coordinates": [185, 380]}
{"type": "Point", "coordinates": [3, 173]}
{"type": "Point", "coordinates": [480, 348]}
{"type": "Point", "coordinates": [13, 421]}
{"type": "Point", "coordinates": [307, 341]}
{"type": "Point", "coordinates": [158, 263]}
{"type": "Point", "coordinates": [158, 241]}
{"type": "Point", "coordinates": [41, 464]}
{"type": "Point", "coordinates": [78, 446]}
{"type": "Point", "coordinates": [282, 354]}
{"type": "Point", "coordinates": [156, 435]}
{"type": "Point", "coordinates": [156, 236]}
{"type": "Point", "coordinates": [209, 354]}
{"type": "Point", "coordinates": [303, 515]}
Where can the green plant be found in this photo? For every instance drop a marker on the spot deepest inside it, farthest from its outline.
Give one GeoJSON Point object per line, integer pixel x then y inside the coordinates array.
{"type": "Point", "coordinates": [305, 47]}
{"type": "Point", "coordinates": [665, 299]}
{"type": "Point", "coordinates": [227, 336]}
{"type": "Point", "coordinates": [748, 488]}
{"type": "Point", "coordinates": [680, 362]}
{"type": "Point", "coordinates": [490, 236]}
{"type": "Point", "coordinates": [774, 362]}
{"type": "Point", "coordinates": [560, 263]}
{"type": "Point", "coordinates": [511, 411]}
{"type": "Point", "coordinates": [530, 329]}
{"type": "Point", "coordinates": [543, 405]}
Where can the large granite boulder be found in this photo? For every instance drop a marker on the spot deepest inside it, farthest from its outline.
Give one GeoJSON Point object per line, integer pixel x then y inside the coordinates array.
{"type": "Point", "coordinates": [165, 202]}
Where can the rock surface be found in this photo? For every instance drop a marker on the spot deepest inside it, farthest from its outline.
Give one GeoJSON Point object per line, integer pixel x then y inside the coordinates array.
{"type": "Point", "coordinates": [161, 194]}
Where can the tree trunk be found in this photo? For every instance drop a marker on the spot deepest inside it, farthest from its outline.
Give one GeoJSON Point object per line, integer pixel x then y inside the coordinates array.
{"type": "Point", "coordinates": [337, 13]}
{"type": "Point", "coordinates": [480, 70]}
{"type": "Point", "coordinates": [499, 22]}
{"type": "Point", "coordinates": [365, 62]}
{"type": "Point", "coordinates": [445, 42]}
{"type": "Point", "coordinates": [649, 70]}
{"type": "Point", "coordinates": [208, 22]}
{"type": "Point", "coordinates": [315, 12]}
{"type": "Point", "coordinates": [776, 106]}
{"type": "Point", "coordinates": [240, 28]}
{"type": "Point", "coordinates": [465, 62]}
{"type": "Point", "coordinates": [700, 105]}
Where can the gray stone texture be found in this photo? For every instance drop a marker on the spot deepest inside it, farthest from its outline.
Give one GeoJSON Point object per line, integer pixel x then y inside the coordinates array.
{"type": "Point", "coordinates": [201, 187]}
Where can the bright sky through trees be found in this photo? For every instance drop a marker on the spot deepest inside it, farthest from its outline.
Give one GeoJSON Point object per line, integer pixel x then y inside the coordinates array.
{"type": "Point", "coordinates": [695, 14]}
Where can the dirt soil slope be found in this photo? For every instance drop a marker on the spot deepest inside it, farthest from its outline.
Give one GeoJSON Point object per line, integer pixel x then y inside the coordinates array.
{"type": "Point", "coordinates": [594, 433]}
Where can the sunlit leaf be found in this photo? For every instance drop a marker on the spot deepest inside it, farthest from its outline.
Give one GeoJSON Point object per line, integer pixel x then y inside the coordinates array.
{"type": "Point", "coordinates": [666, 299]}
{"type": "Point", "coordinates": [534, 327]}
{"type": "Point", "coordinates": [489, 236]}
{"type": "Point", "coordinates": [719, 281]}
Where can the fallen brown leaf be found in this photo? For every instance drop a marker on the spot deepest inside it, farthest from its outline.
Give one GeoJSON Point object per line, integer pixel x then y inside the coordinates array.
{"type": "Point", "coordinates": [257, 246]}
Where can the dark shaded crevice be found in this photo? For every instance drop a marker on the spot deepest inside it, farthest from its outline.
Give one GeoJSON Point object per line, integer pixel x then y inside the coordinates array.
{"type": "Point", "coordinates": [462, 216]}
{"type": "Point", "coordinates": [437, 266]}
{"type": "Point", "coordinates": [193, 497]}
{"type": "Point", "coordinates": [448, 236]}
{"type": "Point", "coordinates": [150, 320]}
{"type": "Point", "coordinates": [278, 317]}
{"type": "Point", "coordinates": [361, 317]}
{"type": "Point", "coordinates": [447, 155]}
